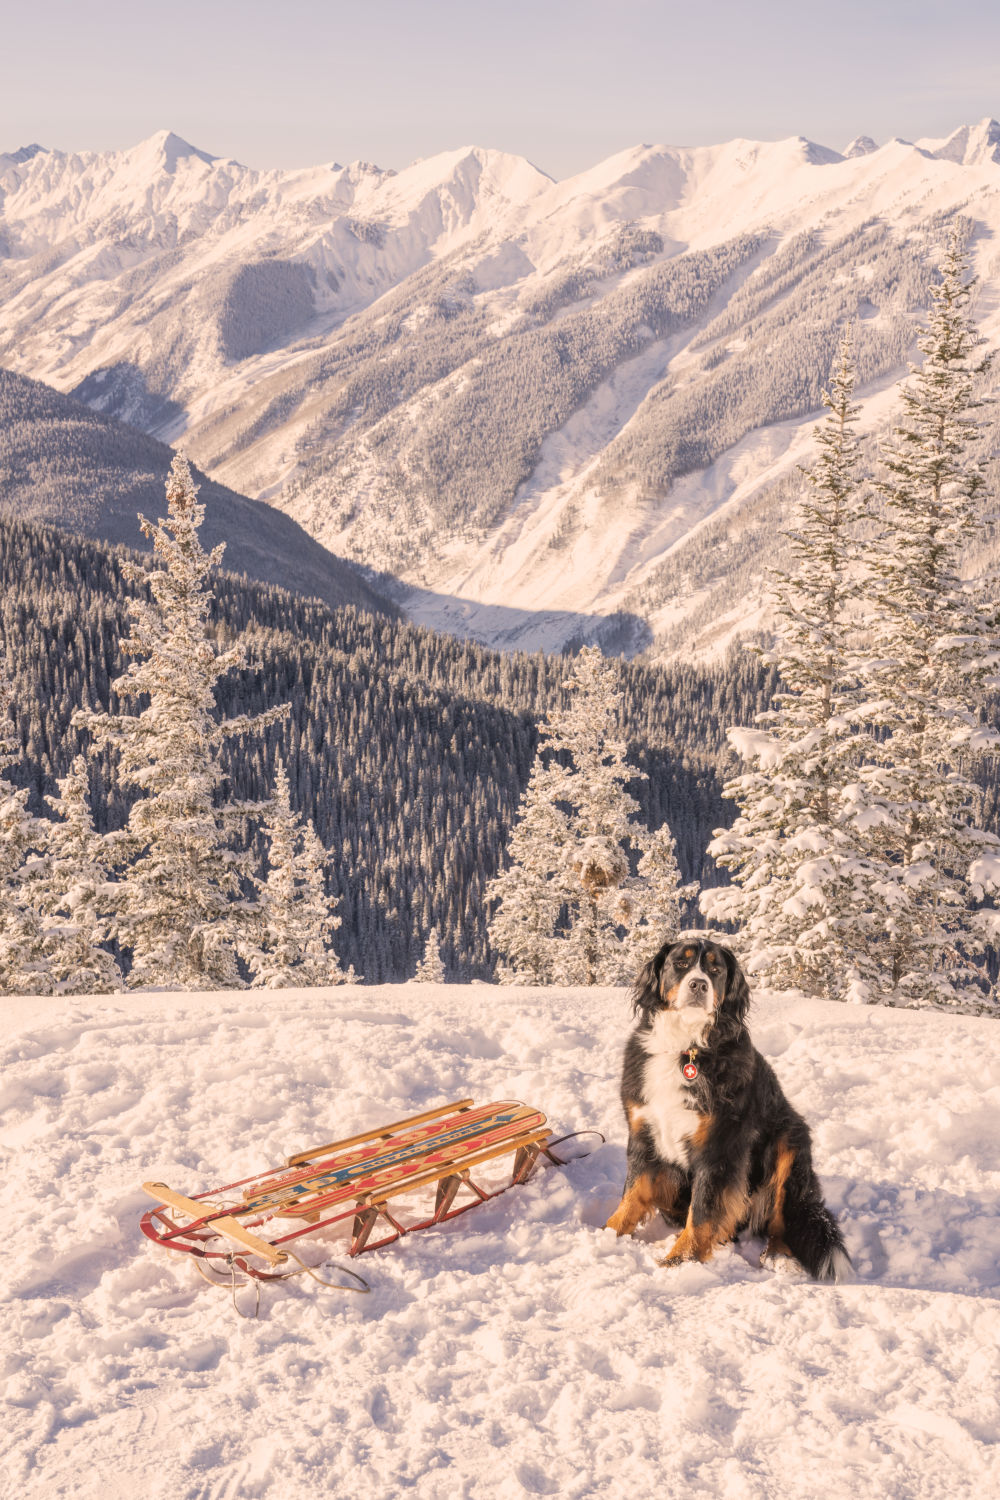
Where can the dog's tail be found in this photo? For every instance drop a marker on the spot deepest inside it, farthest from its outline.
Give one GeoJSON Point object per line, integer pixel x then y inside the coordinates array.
{"type": "Point", "coordinates": [813, 1236]}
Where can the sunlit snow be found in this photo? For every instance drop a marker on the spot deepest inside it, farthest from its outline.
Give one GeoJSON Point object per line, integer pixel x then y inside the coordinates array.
{"type": "Point", "coordinates": [520, 1350]}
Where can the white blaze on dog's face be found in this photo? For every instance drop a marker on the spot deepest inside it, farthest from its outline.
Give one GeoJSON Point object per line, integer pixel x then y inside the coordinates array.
{"type": "Point", "coordinates": [693, 980]}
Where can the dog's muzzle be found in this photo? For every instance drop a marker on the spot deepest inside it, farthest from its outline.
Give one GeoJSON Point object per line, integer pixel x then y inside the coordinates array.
{"type": "Point", "coordinates": [695, 990]}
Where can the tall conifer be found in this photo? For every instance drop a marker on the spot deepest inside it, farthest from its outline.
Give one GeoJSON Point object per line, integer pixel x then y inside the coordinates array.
{"type": "Point", "coordinates": [807, 890]}
{"type": "Point", "coordinates": [22, 967]}
{"type": "Point", "coordinates": [73, 894]}
{"type": "Point", "coordinates": [571, 910]}
{"type": "Point", "coordinates": [936, 655]}
{"type": "Point", "coordinates": [532, 891]}
{"type": "Point", "coordinates": [297, 920]}
{"type": "Point", "coordinates": [181, 908]}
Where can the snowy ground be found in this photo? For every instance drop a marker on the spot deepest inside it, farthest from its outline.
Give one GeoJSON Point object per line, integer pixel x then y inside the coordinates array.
{"type": "Point", "coordinates": [520, 1350]}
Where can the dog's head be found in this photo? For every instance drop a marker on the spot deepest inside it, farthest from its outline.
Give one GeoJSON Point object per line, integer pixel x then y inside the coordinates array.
{"type": "Point", "coordinates": [693, 973]}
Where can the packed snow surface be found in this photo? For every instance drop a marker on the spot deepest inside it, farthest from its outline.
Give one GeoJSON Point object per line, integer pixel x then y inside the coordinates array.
{"type": "Point", "coordinates": [521, 1349]}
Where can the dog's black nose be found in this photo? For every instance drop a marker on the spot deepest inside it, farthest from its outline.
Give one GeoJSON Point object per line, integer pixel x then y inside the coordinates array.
{"type": "Point", "coordinates": [698, 986]}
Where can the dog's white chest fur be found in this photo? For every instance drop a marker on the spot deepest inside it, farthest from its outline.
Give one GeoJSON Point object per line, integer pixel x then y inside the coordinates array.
{"type": "Point", "coordinates": [664, 1107]}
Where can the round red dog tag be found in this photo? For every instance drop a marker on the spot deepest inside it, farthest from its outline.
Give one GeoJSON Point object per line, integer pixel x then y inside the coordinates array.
{"type": "Point", "coordinates": [690, 1071]}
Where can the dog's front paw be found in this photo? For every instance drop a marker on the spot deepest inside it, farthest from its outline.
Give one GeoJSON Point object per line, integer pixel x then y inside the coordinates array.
{"type": "Point", "coordinates": [681, 1251]}
{"type": "Point", "coordinates": [688, 1246]}
{"type": "Point", "coordinates": [619, 1222]}
{"type": "Point", "coordinates": [675, 1260]}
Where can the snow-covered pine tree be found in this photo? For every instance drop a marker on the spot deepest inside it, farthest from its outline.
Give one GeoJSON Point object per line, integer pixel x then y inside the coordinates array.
{"type": "Point", "coordinates": [806, 891]}
{"type": "Point", "coordinates": [22, 967]}
{"type": "Point", "coordinates": [570, 910]}
{"type": "Point", "coordinates": [660, 910]}
{"type": "Point", "coordinates": [430, 969]}
{"type": "Point", "coordinates": [73, 895]}
{"type": "Point", "coordinates": [934, 657]}
{"type": "Point", "coordinates": [532, 891]}
{"type": "Point", "coordinates": [605, 900]}
{"type": "Point", "coordinates": [181, 909]}
{"type": "Point", "coordinates": [297, 920]}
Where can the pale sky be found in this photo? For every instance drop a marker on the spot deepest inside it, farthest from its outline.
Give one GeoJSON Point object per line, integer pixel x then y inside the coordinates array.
{"type": "Point", "coordinates": [563, 82]}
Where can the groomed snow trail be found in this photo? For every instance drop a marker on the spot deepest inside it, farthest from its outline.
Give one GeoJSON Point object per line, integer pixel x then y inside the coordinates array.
{"type": "Point", "coordinates": [520, 1350]}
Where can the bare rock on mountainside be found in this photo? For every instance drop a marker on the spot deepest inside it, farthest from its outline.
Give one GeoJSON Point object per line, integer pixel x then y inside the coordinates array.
{"type": "Point", "coordinates": [862, 145]}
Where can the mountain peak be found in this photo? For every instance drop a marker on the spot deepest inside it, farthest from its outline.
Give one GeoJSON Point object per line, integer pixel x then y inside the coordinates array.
{"type": "Point", "coordinates": [24, 153]}
{"type": "Point", "coordinates": [166, 149]}
{"type": "Point", "coordinates": [969, 145]}
{"type": "Point", "coordinates": [862, 145]}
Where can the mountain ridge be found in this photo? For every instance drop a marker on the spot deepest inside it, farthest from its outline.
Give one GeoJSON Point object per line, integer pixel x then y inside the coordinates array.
{"type": "Point", "coordinates": [505, 389]}
{"type": "Point", "coordinates": [64, 465]}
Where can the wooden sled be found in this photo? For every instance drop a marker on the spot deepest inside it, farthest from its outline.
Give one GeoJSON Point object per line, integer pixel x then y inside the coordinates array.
{"type": "Point", "coordinates": [250, 1225]}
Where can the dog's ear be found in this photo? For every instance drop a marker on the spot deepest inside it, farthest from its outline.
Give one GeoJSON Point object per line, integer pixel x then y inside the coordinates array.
{"type": "Point", "coordinates": [646, 990]}
{"type": "Point", "coordinates": [736, 1001]}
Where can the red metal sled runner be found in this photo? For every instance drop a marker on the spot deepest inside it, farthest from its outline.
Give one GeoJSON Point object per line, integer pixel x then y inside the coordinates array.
{"type": "Point", "coordinates": [246, 1223]}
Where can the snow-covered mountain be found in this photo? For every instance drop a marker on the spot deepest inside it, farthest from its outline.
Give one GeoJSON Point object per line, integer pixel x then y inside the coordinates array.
{"type": "Point", "coordinates": [67, 466]}
{"type": "Point", "coordinates": [532, 401]}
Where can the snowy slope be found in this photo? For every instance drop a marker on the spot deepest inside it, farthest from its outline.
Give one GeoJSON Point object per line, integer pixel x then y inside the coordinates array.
{"type": "Point", "coordinates": [465, 373]}
{"type": "Point", "coordinates": [65, 465]}
{"type": "Point", "coordinates": [521, 1350]}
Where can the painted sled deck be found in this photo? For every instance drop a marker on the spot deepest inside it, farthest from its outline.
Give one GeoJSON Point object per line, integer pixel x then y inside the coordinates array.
{"type": "Point", "coordinates": [248, 1224]}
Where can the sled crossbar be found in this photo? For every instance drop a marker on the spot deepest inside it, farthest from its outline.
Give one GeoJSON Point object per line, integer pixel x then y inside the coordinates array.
{"type": "Point", "coordinates": [355, 1179]}
{"type": "Point", "coordinates": [230, 1227]}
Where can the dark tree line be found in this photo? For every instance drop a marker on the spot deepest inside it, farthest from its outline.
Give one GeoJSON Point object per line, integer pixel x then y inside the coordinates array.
{"type": "Point", "coordinates": [409, 750]}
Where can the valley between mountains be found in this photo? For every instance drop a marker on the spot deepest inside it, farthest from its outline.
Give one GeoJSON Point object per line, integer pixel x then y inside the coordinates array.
{"type": "Point", "coordinates": [546, 411]}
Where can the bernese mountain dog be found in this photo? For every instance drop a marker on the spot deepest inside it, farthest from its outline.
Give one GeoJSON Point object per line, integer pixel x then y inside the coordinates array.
{"type": "Point", "coordinates": [713, 1143]}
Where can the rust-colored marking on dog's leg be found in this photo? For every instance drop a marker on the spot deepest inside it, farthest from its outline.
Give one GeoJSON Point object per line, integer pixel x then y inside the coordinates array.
{"type": "Point", "coordinates": [734, 1207]}
{"type": "Point", "coordinates": [699, 1136]}
{"type": "Point", "coordinates": [784, 1159]}
{"type": "Point", "coordinates": [685, 1246]}
{"type": "Point", "coordinates": [696, 1241]}
{"type": "Point", "coordinates": [638, 1202]}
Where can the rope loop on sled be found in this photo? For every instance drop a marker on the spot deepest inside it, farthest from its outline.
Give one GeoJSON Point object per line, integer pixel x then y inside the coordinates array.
{"type": "Point", "coordinates": [234, 1264]}
{"type": "Point", "coordinates": [574, 1135]}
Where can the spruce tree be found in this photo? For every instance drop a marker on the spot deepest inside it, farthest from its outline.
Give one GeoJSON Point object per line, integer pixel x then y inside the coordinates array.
{"type": "Point", "coordinates": [430, 969]}
{"type": "Point", "coordinates": [659, 911]}
{"type": "Point", "coordinates": [571, 910]}
{"type": "Point", "coordinates": [23, 970]}
{"type": "Point", "coordinates": [181, 909]}
{"type": "Point", "coordinates": [604, 899]}
{"type": "Point", "coordinates": [297, 922]}
{"type": "Point", "coordinates": [531, 893]}
{"type": "Point", "coordinates": [934, 658]}
{"type": "Point", "coordinates": [73, 895]}
{"type": "Point", "coordinates": [807, 887]}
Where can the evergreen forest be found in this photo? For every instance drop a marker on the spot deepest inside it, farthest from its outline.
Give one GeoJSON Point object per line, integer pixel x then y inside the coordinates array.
{"type": "Point", "coordinates": [408, 750]}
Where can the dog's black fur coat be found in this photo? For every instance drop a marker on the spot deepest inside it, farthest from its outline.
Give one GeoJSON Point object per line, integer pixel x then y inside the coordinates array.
{"type": "Point", "coordinates": [745, 1162]}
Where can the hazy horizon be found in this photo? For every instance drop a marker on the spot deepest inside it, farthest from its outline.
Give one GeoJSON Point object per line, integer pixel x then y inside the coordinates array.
{"type": "Point", "coordinates": [565, 83]}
